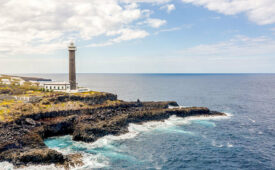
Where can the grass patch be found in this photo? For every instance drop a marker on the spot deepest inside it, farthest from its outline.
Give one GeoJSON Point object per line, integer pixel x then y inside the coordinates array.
{"type": "Point", "coordinates": [45, 101]}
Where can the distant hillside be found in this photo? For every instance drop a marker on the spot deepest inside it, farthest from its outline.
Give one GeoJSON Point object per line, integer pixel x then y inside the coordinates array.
{"type": "Point", "coordinates": [29, 78]}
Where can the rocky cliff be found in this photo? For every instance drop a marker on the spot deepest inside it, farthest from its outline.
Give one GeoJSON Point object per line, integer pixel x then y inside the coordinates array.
{"type": "Point", "coordinates": [21, 140]}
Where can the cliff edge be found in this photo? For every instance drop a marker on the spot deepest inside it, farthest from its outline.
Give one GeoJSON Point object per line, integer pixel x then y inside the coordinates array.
{"type": "Point", "coordinates": [85, 116]}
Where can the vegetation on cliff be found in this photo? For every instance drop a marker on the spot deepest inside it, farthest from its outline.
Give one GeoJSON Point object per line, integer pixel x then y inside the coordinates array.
{"type": "Point", "coordinates": [17, 101]}
{"type": "Point", "coordinates": [26, 119]}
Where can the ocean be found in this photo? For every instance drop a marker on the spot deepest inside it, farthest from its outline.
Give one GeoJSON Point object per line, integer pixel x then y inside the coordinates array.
{"type": "Point", "coordinates": [245, 139]}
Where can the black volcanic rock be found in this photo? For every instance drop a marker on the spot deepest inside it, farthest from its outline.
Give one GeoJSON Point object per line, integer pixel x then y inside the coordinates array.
{"type": "Point", "coordinates": [21, 141]}
{"type": "Point", "coordinates": [34, 156]}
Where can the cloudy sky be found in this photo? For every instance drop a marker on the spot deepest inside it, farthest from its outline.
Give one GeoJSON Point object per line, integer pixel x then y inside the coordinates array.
{"type": "Point", "coordinates": [138, 36]}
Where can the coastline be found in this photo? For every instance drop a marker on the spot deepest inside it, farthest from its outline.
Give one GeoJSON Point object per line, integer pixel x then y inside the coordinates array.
{"type": "Point", "coordinates": [133, 131]}
{"type": "Point", "coordinates": [86, 116]}
{"type": "Point", "coordinates": [28, 147]}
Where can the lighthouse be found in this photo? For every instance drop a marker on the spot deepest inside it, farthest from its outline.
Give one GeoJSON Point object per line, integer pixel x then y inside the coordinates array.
{"type": "Point", "coordinates": [72, 74]}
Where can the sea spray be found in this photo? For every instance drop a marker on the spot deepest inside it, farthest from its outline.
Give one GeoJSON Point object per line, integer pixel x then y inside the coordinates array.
{"type": "Point", "coordinates": [9, 166]}
{"type": "Point", "coordinates": [99, 153]}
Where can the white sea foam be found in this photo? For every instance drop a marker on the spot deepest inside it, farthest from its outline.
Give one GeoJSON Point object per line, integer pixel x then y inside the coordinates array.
{"type": "Point", "coordinates": [99, 160]}
{"type": "Point", "coordinates": [172, 121]}
{"type": "Point", "coordinates": [176, 107]}
{"type": "Point", "coordinates": [229, 145]}
{"type": "Point", "coordinates": [252, 120]}
{"type": "Point", "coordinates": [136, 129]}
{"type": "Point", "coordinates": [9, 166]}
{"type": "Point", "coordinates": [260, 132]}
{"type": "Point", "coordinates": [6, 165]}
{"type": "Point", "coordinates": [90, 162]}
{"type": "Point", "coordinates": [93, 162]}
{"type": "Point", "coordinates": [215, 144]}
{"type": "Point", "coordinates": [169, 125]}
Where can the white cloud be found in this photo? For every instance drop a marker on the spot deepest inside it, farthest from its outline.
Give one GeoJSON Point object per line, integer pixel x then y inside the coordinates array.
{"type": "Point", "coordinates": [259, 11]}
{"type": "Point", "coordinates": [168, 30]}
{"type": "Point", "coordinates": [124, 35]}
{"type": "Point", "coordinates": [38, 27]}
{"type": "Point", "coordinates": [155, 23]}
{"type": "Point", "coordinates": [237, 47]}
{"type": "Point", "coordinates": [168, 7]}
{"type": "Point", "coordinates": [128, 34]}
{"type": "Point", "coordinates": [146, 1]}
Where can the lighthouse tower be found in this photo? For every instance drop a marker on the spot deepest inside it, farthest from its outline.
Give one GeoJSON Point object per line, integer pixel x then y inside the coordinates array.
{"type": "Point", "coordinates": [72, 74]}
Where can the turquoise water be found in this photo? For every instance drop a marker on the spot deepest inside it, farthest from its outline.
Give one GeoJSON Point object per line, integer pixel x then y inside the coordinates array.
{"type": "Point", "coordinates": [113, 151]}
{"type": "Point", "coordinates": [245, 140]}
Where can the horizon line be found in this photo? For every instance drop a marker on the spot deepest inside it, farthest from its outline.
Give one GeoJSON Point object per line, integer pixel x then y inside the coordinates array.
{"type": "Point", "coordinates": [139, 73]}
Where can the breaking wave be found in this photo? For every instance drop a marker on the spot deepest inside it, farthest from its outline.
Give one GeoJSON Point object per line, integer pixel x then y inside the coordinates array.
{"type": "Point", "coordinates": [99, 153]}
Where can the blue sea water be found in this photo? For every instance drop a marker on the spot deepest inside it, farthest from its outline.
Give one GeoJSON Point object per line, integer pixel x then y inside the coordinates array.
{"type": "Point", "coordinates": [243, 140]}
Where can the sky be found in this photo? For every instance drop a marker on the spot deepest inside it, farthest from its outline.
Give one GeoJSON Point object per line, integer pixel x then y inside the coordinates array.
{"type": "Point", "coordinates": [138, 36]}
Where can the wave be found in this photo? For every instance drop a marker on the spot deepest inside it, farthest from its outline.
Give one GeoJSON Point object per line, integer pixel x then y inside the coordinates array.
{"type": "Point", "coordinates": [9, 166]}
{"type": "Point", "coordinates": [99, 153]}
{"type": "Point", "coordinates": [168, 125]}
{"type": "Point", "coordinates": [176, 107]}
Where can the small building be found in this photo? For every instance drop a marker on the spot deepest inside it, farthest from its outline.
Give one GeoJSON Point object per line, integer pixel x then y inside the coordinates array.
{"type": "Point", "coordinates": [57, 86]}
{"type": "Point", "coordinates": [5, 81]}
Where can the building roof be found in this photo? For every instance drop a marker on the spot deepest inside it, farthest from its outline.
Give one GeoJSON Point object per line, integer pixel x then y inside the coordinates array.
{"type": "Point", "coordinates": [56, 83]}
{"type": "Point", "coordinates": [72, 46]}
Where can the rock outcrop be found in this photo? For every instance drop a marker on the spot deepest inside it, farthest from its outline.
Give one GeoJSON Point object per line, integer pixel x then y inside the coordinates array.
{"type": "Point", "coordinates": [21, 141]}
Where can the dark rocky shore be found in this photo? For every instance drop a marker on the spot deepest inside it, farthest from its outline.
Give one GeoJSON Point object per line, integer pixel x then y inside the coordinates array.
{"type": "Point", "coordinates": [21, 140]}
